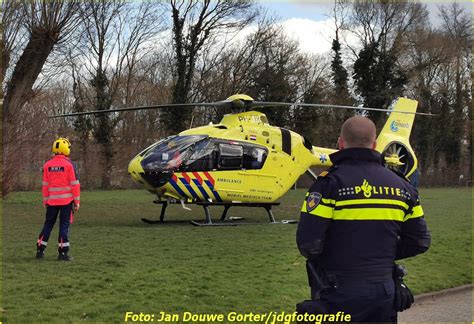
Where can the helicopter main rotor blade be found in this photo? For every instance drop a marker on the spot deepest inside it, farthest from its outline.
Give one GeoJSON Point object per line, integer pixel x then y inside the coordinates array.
{"type": "Point", "coordinates": [236, 104]}
{"type": "Point", "coordinates": [97, 112]}
{"type": "Point", "coordinates": [256, 104]}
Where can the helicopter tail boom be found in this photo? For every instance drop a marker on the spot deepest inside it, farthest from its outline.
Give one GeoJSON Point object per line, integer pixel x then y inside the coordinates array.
{"type": "Point", "coordinates": [394, 139]}
{"type": "Point", "coordinates": [321, 156]}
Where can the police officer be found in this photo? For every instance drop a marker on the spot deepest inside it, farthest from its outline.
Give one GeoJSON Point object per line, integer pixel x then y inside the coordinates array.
{"type": "Point", "coordinates": [356, 220]}
{"type": "Point", "coordinates": [61, 195]}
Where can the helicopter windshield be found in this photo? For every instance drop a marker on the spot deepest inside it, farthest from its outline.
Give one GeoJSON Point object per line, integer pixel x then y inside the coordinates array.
{"type": "Point", "coordinates": [169, 153]}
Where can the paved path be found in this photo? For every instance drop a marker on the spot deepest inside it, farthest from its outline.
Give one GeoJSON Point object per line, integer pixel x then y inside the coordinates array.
{"type": "Point", "coordinates": [451, 305]}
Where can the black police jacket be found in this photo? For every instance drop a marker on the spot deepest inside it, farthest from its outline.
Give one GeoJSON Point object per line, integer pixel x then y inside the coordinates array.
{"type": "Point", "coordinates": [360, 217]}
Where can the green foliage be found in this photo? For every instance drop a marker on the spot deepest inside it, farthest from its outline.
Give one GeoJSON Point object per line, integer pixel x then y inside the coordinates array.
{"type": "Point", "coordinates": [339, 72]}
{"type": "Point", "coordinates": [313, 123]}
{"type": "Point", "coordinates": [340, 94]}
{"type": "Point", "coordinates": [274, 77]}
{"type": "Point", "coordinates": [377, 78]}
{"type": "Point", "coordinates": [82, 124]}
{"type": "Point", "coordinates": [122, 264]}
{"type": "Point", "coordinates": [271, 85]}
{"type": "Point", "coordinates": [104, 127]}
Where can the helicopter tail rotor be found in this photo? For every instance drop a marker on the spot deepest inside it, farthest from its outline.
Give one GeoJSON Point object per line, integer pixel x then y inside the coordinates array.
{"type": "Point", "coordinates": [394, 139]}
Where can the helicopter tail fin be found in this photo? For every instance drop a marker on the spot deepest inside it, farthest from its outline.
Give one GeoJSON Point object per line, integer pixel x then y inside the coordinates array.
{"type": "Point", "coordinates": [393, 141]}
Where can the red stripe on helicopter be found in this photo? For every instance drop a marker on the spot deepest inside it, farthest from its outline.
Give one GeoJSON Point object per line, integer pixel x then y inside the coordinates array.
{"type": "Point", "coordinates": [198, 177]}
{"type": "Point", "coordinates": [186, 177]}
{"type": "Point", "coordinates": [208, 176]}
{"type": "Point", "coordinates": [175, 179]}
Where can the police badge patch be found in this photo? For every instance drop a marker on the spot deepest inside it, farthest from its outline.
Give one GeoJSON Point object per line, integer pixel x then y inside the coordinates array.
{"type": "Point", "coordinates": [313, 201]}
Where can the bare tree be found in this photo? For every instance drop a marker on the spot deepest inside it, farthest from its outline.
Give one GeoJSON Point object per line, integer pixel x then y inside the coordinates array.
{"type": "Point", "coordinates": [438, 61]}
{"type": "Point", "coordinates": [384, 22]}
{"type": "Point", "coordinates": [194, 24]}
{"type": "Point", "coordinates": [382, 29]}
{"type": "Point", "coordinates": [44, 24]}
{"type": "Point", "coordinates": [47, 23]}
{"type": "Point", "coordinates": [117, 36]}
{"type": "Point", "coordinates": [457, 24]}
{"type": "Point", "coordinates": [340, 76]}
{"type": "Point", "coordinates": [13, 32]}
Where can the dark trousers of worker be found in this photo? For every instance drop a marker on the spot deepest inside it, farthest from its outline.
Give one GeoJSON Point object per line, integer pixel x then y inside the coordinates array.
{"type": "Point", "coordinates": [64, 221]}
{"type": "Point", "coordinates": [365, 300]}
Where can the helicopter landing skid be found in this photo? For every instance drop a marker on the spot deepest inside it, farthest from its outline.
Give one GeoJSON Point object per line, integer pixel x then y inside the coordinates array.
{"type": "Point", "coordinates": [162, 213]}
{"type": "Point", "coordinates": [196, 223]}
{"type": "Point", "coordinates": [226, 223]}
{"type": "Point", "coordinates": [207, 212]}
{"type": "Point", "coordinates": [208, 222]}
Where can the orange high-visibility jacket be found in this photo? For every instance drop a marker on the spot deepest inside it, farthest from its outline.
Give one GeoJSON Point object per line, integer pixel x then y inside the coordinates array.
{"type": "Point", "coordinates": [60, 183]}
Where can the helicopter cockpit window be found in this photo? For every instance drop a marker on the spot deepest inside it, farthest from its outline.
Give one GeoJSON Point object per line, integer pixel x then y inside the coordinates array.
{"type": "Point", "coordinates": [203, 157]}
{"type": "Point", "coordinates": [230, 156]}
{"type": "Point", "coordinates": [154, 145]}
{"type": "Point", "coordinates": [170, 153]}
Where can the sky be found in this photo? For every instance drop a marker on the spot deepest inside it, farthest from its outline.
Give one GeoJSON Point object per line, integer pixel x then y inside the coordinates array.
{"type": "Point", "coordinates": [310, 22]}
{"type": "Point", "coordinates": [300, 9]}
{"type": "Point", "coordinates": [321, 10]}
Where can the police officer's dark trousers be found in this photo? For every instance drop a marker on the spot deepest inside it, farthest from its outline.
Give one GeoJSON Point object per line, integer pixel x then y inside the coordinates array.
{"type": "Point", "coordinates": [365, 300]}
{"type": "Point", "coordinates": [64, 221]}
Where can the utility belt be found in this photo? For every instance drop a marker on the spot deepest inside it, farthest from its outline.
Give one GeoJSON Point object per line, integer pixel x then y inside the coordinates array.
{"type": "Point", "coordinates": [320, 279]}
{"type": "Point", "coordinates": [345, 278]}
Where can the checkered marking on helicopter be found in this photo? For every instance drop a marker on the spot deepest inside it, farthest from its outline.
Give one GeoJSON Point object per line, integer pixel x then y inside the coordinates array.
{"type": "Point", "coordinates": [313, 200]}
{"type": "Point", "coordinates": [195, 185]}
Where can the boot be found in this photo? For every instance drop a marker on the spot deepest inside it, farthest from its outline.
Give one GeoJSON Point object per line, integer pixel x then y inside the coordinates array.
{"type": "Point", "coordinates": [62, 256]}
{"type": "Point", "coordinates": [39, 252]}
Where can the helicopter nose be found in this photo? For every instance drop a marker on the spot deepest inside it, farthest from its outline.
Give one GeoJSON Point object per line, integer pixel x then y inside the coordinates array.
{"type": "Point", "coordinates": [146, 176]}
{"type": "Point", "coordinates": [135, 169]}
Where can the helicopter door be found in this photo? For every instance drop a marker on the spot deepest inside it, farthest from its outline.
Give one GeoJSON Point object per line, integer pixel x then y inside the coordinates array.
{"type": "Point", "coordinates": [229, 179]}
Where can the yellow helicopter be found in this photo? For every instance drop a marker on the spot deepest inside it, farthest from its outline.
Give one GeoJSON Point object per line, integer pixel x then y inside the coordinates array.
{"type": "Point", "coordinates": [244, 161]}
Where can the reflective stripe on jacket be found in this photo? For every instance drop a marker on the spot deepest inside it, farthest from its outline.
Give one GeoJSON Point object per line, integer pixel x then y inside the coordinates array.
{"type": "Point", "coordinates": [60, 184]}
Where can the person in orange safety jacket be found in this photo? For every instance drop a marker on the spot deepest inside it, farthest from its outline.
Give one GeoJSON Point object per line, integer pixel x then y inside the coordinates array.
{"type": "Point", "coordinates": [61, 195]}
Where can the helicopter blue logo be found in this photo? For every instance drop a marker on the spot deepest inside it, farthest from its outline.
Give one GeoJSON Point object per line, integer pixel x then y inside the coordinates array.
{"type": "Point", "coordinates": [393, 127]}
{"type": "Point", "coordinates": [396, 124]}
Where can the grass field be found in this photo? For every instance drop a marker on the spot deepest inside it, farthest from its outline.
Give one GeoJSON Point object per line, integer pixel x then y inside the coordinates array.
{"type": "Point", "coordinates": [122, 264]}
